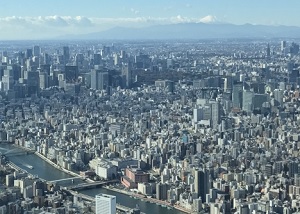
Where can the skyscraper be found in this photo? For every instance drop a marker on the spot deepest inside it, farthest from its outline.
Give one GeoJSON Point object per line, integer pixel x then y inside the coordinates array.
{"type": "Point", "coordinates": [36, 50]}
{"type": "Point", "coordinates": [237, 95]}
{"type": "Point", "coordinates": [282, 45]}
{"type": "Point", "coordinates": [105, 204]}
{"type": "Point", "coordinates": [66, 54]}
{"type": "Point", "coordinates": [33, 82]}
{"type": "Point", "coordinates": [202, 183]}
{"type": "Point", "coordinates": [127, 74]}
{"type": "Point", "coordinates": [268, 50]}
{"type": "Point", "coordinates": [248, 100]}
{"type": "Point", "coordinates": [28, 53]}
{"type": "Point", "coordinates": [97, 59]}
{"type": "Point", "coordinates": [278, 97]}
{"type": "Point", "coordinates": [71, 73]}
{"type": "Point", "coordinates": [99, 79]}
{"type": "Point", "coordinates": [215, 114]}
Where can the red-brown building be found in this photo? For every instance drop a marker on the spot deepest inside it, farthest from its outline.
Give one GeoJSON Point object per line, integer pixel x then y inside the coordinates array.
{"type": "Point", "coordinates": [133, 176]}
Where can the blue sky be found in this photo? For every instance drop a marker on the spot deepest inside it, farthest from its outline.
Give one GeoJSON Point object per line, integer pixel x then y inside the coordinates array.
{"type": "Point", "coordinates": [42, 18]}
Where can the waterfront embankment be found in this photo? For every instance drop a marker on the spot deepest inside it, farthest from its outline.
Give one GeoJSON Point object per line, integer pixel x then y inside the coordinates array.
{"type": "Point", "coordinates": [144, 198]}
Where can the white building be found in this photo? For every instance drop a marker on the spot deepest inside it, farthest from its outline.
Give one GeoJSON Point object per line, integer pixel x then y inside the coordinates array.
{"type": "Point", "coordinates": [103, 168]}
{"type": "Point", "coordinates": [106, 204]}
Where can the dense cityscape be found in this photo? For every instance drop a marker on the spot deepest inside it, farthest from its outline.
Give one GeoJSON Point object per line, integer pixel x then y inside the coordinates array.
{"type": "Point", "coordinates": [206, 126]}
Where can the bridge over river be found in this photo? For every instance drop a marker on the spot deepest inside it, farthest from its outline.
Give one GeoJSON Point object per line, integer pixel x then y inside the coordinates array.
{"type": "Point", "coordinates": [83, 186]}
{"type": "Point", "coordinates": [16, 152]}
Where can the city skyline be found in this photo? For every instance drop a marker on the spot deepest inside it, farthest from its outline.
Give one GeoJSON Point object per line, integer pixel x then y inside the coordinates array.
{"type": "Point", "coordinates": [47, 20]}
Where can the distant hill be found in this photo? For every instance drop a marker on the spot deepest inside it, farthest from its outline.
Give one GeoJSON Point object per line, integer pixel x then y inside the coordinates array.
{"type": "Point", "coordinates": [193, 31]}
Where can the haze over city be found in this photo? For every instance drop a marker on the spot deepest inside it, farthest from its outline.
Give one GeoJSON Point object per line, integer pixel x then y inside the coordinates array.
{"type": "Point", "coordinates": [35, 19]}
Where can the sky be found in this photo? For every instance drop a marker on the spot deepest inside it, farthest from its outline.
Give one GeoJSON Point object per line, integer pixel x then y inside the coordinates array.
{"type": "Point", "coordinates": [45, 19]}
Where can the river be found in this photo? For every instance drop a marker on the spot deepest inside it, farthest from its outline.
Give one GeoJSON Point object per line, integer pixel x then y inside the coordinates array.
{"type": "Point", "coordinates": [46, 171]}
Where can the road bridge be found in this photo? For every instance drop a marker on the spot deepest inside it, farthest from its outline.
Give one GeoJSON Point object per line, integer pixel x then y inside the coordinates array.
{"type": "Point", "coordinates": [65, 179]}
{"type": "Point", "coordinates": [17, 152]}
{"type": "Point", "coordinates": [91, 185]}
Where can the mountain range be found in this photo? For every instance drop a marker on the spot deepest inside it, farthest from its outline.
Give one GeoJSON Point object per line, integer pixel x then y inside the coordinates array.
{"type": "Point", "coordinates": [192, 31]}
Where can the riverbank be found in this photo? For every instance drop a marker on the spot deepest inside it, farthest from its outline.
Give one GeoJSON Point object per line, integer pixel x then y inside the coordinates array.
{"type": "Point", "coordinates": [48, 161]}
{"type": "Point", "coordinates": [144, 198]}
{"type": "Point", "coordinates": [57, 166]}
{"type": "Point", "coordinates": [19, 169]}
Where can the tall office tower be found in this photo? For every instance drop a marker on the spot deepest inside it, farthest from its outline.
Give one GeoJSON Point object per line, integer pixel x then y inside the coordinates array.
{"type": "Point", "coordinates": [123, 54]}
{"type": "Point", "coordinates": [116, 59]}
{"type": "Point", "coordinates": [248, 100]}
{"type": "Point", "coordinates": [237, 95]}
{"type": "Point", "coordinates": [197, 114]}
{"type": "Point", "coordinates": [225, 84]}
{"type": "Point", "coordinates": [14, 71]}
{"type": "Point", "coordinates": [278, 97]}
{"type": "Point", "coordinates": [105, 204]}
{"type": "Point", "coordinates": [46, 68]}
{"type": "Point", "coordinates": [46, 58]}
{"type": "Point", "coordinates": [294, 49]}
{"type": "Point", "coordinates": [7, 83]}
{"type": "Point", "coordinates": [4, 54]}
{"type": "Point", "coordinates": [44, 83]}
{"type": "Point", "coordinates": [28, 53]}
{"type": "Point", "coordinates": [79, 58]}
{"type": "Point", "coordinates": [268, 50]}
{"type": "Point", "coordinates": [216, 114]}
{"type": "Point", "coordinates": [36, 50]}
{"type": "Point", "coordinates": [282, 45]}
{"type": "Point", "coordinates": [162, 191]}
{"type": "Point", "coordinates": [127, 74]}
{"type": "Point", "coordinates": [99, 79]}
{"type": "Point", "coordinates": [33, 82]}
{"type": "Point", "coordinates": [71, 73]}
{"type": "Point", "coordinates": [202, 183]}
{"type": "Point", "coordinates": [66, 54]}
{"type": "Point", "coordinates": [97, 59]}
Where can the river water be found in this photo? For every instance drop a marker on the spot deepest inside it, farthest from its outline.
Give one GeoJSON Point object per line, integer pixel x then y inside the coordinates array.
{"type": "Point", "coordinates": [46, 171]}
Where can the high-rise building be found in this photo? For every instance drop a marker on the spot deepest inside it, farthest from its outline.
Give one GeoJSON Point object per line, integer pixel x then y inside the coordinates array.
{"type": "Point", "coordinates": [71, 73]}
{"type": "Point", "coordinates": [7, 83]}
{"type": "Point", "coordinates": [36, 51]}
{"type": "Point", "coordinates": [46, 58]}
{"type": "Point", "coordinates": [202, 183]}
{"type": "Point", "coordinates": [33, 82]}
{"type": "Point", "coordinates": [161, 191]}
{"type": "Point", "coordinates": [278, 97]}
{"type": "Point", "coordinates": [237, 95]}
{"type": "Point", "coordinates": [248, 100]}
{"type": "Point", "coordinates": [116, 59]}
{"type": "Point", "coordinates": [43, 80]}
{"type": "Point", "coordinates": [294, 49]}
{"type": "Point", "coordinates": [123, 54]}
{"type": "Point", "coordinates": [99, 79]}
{"type": "Point", "coordinates": [105, 204]}
{"type": "Point", "coordinates": [282, 45]}
{"type": "Point", "coordinates": [66, 54]}
{"type": "Point", "coordinates": [215, 114]}
{"type": "Point", "coordinates": [268, 50]}
{"type": "Point", "coordinates": [97, 59]}
{"type": "Point", "coordinates": [127, 74]}
{"type": "Point", "coordinates": [28, 53]}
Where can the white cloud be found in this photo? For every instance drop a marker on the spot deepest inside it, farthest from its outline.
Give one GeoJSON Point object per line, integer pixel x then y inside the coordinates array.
{"type": "Point", "coordinates": [51, 26]}
{"type": "Point", "coordinates": [55, 21]}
